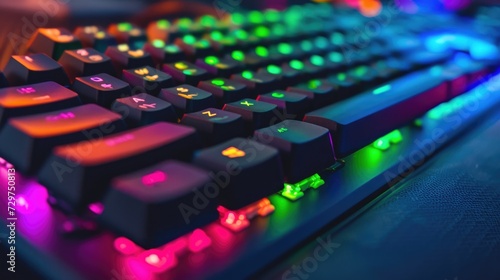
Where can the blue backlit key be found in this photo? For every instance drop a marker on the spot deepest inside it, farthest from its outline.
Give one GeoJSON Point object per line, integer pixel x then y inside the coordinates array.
{"type": "Point", "coordinates": [102, 89]}
{"type": "Point", "coordinates": [147, 79]}
{"type": "Point", "coordinates": [248, 170]}
{"type": "Point", "coordinates": [36, 135]}
{"type": "Point", "coordinates": [35, 99]}
{"type": "Point", "coordinates": [187, 99]}
{"type": "Point", "coordinates": [167, 187]}
{"type": "Point", "coordinates": [85, 62]}
{"type": "Point", "coordinates": [34, 68]}
{"type": "Point", "coordinates": [215, 126]}
{"type": "Point", "coordinates": [53, 42]}
{"type": "Point", "coordinates": [142, 109]}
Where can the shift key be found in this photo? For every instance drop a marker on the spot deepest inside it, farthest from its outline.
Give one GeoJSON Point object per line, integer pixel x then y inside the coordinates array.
{"type": "Point", "coordinates": [80, 175]}
{"type": "Point", "coordinates": [27, 141]}
{"type": "Point", "coordinates": [360, 120]}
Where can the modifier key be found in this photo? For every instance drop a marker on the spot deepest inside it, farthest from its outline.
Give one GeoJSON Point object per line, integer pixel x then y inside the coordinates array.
{"type": "Point", "coordinates": [79, 178]}
{"type": "Point", "coordinates": [360, 120]}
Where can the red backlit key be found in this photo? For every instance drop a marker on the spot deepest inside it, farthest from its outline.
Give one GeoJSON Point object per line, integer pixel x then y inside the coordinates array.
{"type": "Point", "coordinates": [245, 170]}
{"type": "Point", "coordinates": [35, 99]}
{"type": "Point", "coordinates": [85, 62]}
{"type": "Point", "coordinates": [142, 109]}
{"type": "Point", "coordinates": [111, 156]}
{"type": "Point", "coordinates": [147, 79]}
{"type": "Point", "coordinates": [34, 68]}
{"type": "Point", "coordinates": [34, 136]}
{"type": "Point", "coordinates": [102, 89]}
{"type": "Point", "coordinates": [53, 42]}
{"type": "Point", "coordinates": [167, 188]}
{"type": "Point", "coordinates": [95, 37]}
{"type": "Point", "coordinates": [215, 126]}
{"type": "Point", "coordinates": [187, 99]}
{"type": "Point", "coordinates": [125, 57]}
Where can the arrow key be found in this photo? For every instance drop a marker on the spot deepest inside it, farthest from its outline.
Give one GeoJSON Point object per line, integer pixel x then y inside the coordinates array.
{"type": "Point", "coordinates": [142, 109]}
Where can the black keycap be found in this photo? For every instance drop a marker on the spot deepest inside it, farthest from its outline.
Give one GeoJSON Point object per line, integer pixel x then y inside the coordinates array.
{"type": "Point", "coordinates": [187, 99]}
{"type": "Point", "coordinates": [135, 204]}
{"type": "Point", "coordinates": [345, 85]}
{"type": "Point", "coordinates": [124, 57]}
{"type": "Point", "coordinates": [162, 53]}
{"type": "Point", "coordinates": [246, 171]}
{"type": "Point", "coordinates": [82, 178]}
{"type": "Point", "coordinates": [34, 68]}
{"type": "Point", "coordinates": [53, 42]}
{"type": "Point", "coordinates": [305, 148]}
{"type": "Point", "coordinates": [147, 79]}
{"type": "Point", "coordinates": [293, 105]}
{"type": "Point", "coordinates": [185, 72]}
{"type": "Point", "coordinates": [85, 62]}
{"type": "Point", "coordinates": [3, 80]}
{"type": "Point", "coordinates": [215, 126]}
{"type": "Point", "coordinates": [102, 89]}
{"type": "Point", "coordinates": [95, 37]}
{"type": "Point", "coordinates": [360, 120]}
{"type": "Point", "coordinates": [256, 114]}
{"type": "Point", "coordinates": [35, 99]}
{"type": "Point", "coordinates": [142, 109]}
{"type": "Point", "coordinates": [219, 67]}
{"type": "Point", "coordinates": [34, 136]}
{"type": "Point", "coordinates": [319, 92]}
{"type": "Point", "coordinates": [256, 82]}
{"type": "Point", "coordinates": [224, 90]}
{"type": "Point", "coordinates": [128, 33]}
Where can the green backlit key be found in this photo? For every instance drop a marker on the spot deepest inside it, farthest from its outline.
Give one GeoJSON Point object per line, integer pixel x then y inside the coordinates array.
{"type": "Point", "coordinates": [257, 114]}
{"type": "Point", "coordinates": [186, 72]}
{"type": "Point", "coordinates": [293, 105]}
{"type": "Point", "coordinates": [224, 90]}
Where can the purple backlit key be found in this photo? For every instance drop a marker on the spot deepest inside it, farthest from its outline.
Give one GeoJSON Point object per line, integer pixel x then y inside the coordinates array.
{"type": "Point", "coordinates": [80, 178]}
{"type": "Point", "coordinates": [34, 136]}
{"type": "Point", "coordinates": [35, 99]}
{"type": "Point", "coordinates": [151, 195]}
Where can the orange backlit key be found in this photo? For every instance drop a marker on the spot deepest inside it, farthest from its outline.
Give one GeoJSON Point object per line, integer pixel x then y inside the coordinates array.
{"type": "Point", "coordinates": [80, 176]}
{"type": "Point", "coordinates": [34, 68]}
{"type": "Point", "coordinates": [35, 99]}
{"type": "Point", "coordinates": [34, 136]}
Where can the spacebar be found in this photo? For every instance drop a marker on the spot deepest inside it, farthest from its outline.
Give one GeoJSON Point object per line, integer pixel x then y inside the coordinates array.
{"type": "Point", "coordinates": [360, 120]}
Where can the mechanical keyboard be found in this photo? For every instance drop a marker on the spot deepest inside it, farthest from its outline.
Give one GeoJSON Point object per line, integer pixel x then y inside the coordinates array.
{"type": "Point", "coordinates": [208, 148]}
